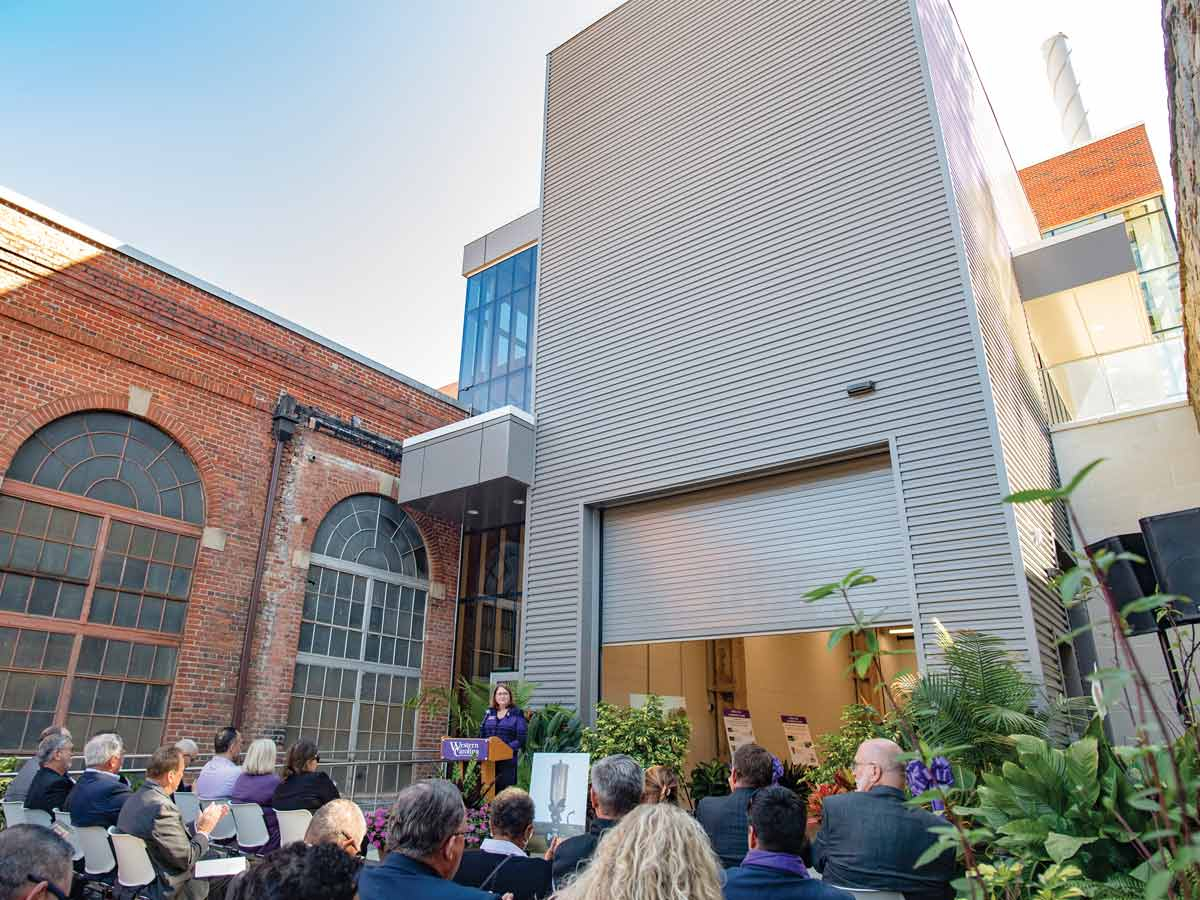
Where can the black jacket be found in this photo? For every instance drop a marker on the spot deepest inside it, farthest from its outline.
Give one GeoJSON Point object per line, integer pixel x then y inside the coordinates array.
{"type": "Point", "coordinates": [305, 790]}
{"type": "Point", "coordinates": [97, 800]}
{"type": "Point", "coordinates": [871, 839]}
{"type": "Point", "coordinates": [724, 818]}
{"type": "Point", "coordinates": [49, 791]}
{"type": "Point", "coordinates": [575, 853]}
{"type": "Point", "coordinates": [522, 876]}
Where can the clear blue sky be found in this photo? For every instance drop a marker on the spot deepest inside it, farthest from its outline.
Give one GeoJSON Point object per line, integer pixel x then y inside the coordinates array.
{"type": "Point", "coordinates": [329, 161]}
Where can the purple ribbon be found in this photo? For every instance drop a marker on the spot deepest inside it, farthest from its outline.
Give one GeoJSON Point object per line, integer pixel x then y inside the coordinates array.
{"type": "Point", "coordinates": [776, 770]}
{"type": "Point", "coordinates": [921, 778]}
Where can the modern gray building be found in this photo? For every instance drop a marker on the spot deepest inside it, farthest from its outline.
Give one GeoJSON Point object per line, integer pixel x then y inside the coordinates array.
{"type": "Point", "coordinates": [779, 335]}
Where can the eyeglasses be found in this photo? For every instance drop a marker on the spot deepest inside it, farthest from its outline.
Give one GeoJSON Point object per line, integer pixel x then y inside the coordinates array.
{"type": "Point", "coordinates": [50, 886]}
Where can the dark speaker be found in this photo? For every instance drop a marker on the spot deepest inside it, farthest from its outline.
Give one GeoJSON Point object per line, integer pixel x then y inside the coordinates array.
{"type": "Point", "coordinates": [1129, 580]}
{"type": "Point", "coordinates": [1173, 548]}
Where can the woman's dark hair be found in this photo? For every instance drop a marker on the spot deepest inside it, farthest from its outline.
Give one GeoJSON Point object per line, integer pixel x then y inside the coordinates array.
{"type": "Point", "coordinates": [299, 872]}
{"type": "Point", "coordinates": [512, 698]}
{"type": "Point", "coordinates": [511, 813]}
{"type": "Point", "coordinates": [779, 818]}
{"type": "Point", "coordinates": [298, 757]}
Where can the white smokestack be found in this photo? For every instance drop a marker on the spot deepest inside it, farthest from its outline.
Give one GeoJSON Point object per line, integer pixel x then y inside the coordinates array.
{"type": "Point", "coordinates": [1065, 88]}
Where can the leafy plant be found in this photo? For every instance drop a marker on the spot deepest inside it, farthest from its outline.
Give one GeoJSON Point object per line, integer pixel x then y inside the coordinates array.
{"type": "Point", "coordinates": [7, 764]}
{"type": "Point", "coordinates": [836, 749]}
{"type": "Point", "coordinates": [465, 705]}
{"type": "Point", "coordinates": [650, 735]}
{"type": "Point", "coordinates": [709, 779]}
{"type": "Point", "coordinates": [552, 729]}
{"type": "Point", "coordinates": [795, 779]}
{"type": "Point", "coordinates": [468, 778]}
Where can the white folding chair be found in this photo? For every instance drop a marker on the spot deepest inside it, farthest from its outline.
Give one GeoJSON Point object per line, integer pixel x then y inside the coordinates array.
{"type": "Point", "coordinates": [868, 894]}
{"type": "Point", "coordinates": [14, 812]}
{"type": "Point", "coordinates": [98, 856]}
{"type": "Point", "coordinates": [251, 826]}
{"type": "Point", "coordinates": [189, 806]}
{"type": "Point", "coordinates": [226, 827]}
{"type": "Point", "coordinates": [63, 818]}
{"type": "Point", "coordinates": [134, 869]}
{"type": "Point", "coordinates": [293, 823]}
{"type": "Point", "coordinates": [38, 817]}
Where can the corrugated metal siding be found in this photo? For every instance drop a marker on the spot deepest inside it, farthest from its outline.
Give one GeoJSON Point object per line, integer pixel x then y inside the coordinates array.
{"type": "Point", "coordinates": [744, 212]}
{"type": "Point", "coordinates": [727, 561]}
{"type": "Point", "coordinates": [994, 217]}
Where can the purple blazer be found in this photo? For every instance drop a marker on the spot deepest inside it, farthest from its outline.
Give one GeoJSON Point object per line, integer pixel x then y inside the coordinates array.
{"type": "Point", "coordinates": [258, 789]}
{"type": "Point", "coordinates": [511, 729]}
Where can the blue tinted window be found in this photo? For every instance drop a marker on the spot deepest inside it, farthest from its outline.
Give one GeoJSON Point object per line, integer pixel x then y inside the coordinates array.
{"type": "Point", "coordinates": [504, 278]}
{"type": "Point", "coordinates": [521, 265]}
{"type": "Point", "coordinates": [467, 368]}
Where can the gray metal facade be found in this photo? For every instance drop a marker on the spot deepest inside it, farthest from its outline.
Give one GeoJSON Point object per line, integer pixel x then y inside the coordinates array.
{"type": "Point", "coordinates": [746, 208]}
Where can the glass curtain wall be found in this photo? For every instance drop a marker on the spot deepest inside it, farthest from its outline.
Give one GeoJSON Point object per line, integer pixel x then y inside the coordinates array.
{"type": "Point", "coordinates": [497, 329]}
{"type": "Point", "coordinates": [489, 601]}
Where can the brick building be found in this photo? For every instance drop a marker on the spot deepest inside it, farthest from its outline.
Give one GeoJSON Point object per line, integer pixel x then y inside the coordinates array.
{"type": "Point", "coordinates": [136, 452]}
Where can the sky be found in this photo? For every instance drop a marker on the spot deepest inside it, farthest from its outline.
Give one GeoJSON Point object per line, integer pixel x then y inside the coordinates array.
{"type": "Point", "coordinates": [329, 160]}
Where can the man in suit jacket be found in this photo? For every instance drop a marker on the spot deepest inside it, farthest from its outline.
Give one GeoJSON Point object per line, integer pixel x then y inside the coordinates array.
{"type": "Point", "coordinates": [99, 794]}
{"type": "Point", "coordinates": [18, 786]}
{"type": "Point", "coordinates": [870, 839]}
{"type": "Point", "coordinates": [51, 785]}
{"type": "Point", "coordinates": [773, 869]}
{"type": "Point", "coordinates": [424, 847]}
{"type": "Point", "coordinates": [724, 818]}
{"type": "Point", "coordinates": [151, 815]}
{"type": "Point", "coordinates": [500, 864]}
{"type": "Point", "coordinates": [617, 785]}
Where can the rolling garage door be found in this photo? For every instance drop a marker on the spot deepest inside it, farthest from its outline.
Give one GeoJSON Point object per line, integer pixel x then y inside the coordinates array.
{"type": "Point", "coordinates": [737, 559]}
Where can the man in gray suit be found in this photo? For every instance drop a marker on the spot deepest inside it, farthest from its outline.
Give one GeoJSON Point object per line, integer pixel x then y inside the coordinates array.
{"type": "Point", "coordinates": [151, 815]}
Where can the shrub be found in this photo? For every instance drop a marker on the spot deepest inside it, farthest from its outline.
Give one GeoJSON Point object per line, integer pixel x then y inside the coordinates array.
{"type": "Point", "coordinates": [553, 729]}
{"type": "Point", "coordinates": [836, 749]}
{"type": "Point", "coordinates": [709, 779]}
{"type": "Point", "coordinates": [650, 735]}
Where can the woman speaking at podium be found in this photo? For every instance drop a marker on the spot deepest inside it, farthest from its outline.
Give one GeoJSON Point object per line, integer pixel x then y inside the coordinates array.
{"type": "Point", "coordinates": [505, 721]}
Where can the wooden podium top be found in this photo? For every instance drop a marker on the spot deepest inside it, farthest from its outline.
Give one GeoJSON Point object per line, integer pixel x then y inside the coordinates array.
{"type": "Point", "coordinates": [483, 749]}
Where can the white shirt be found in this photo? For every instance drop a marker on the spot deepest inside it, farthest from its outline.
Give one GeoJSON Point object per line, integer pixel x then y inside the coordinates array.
{"type": "Point", "coordinates": [495, 845]}
{"type": "Point", "coordinates": [215, 781]}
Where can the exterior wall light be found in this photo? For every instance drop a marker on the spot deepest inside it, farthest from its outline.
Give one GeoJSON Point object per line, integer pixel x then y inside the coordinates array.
{"type": "Point", "coordinates": [860, 389]}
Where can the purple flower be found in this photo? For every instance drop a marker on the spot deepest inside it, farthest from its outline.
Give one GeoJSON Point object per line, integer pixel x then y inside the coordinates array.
{"type": "Point", "coordinates": [776, 770]}
{"type": "Point", "coordinates": [918, 777]}
{"type": "Point", "coordinates": [941, 771]}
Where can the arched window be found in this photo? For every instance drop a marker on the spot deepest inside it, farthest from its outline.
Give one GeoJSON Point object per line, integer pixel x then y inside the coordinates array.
{"type": "Point", "coordinates": [362, 636]}
{"type": "Point", "coordinates": [100, 524]}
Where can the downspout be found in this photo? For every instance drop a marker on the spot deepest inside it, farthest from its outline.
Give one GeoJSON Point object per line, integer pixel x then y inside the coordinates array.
{"type": "Point", "coordinates": [283, 426]}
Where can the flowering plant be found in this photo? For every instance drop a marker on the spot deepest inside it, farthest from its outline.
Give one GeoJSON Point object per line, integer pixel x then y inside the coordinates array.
{"type": "Point", "coordinates": [479, 823]}
{"type": "Point", "coordinates": [376, 828]}
{"type": "Point", "coordinates": [817, 798]}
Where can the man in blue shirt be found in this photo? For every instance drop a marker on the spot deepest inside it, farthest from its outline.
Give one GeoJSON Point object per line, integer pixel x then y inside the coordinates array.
{"type": "Point", "coordinates": [772, 868]}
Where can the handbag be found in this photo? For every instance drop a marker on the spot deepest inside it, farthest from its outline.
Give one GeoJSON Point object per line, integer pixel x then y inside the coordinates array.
{"type": "Point", "coordinates": [492, 877]}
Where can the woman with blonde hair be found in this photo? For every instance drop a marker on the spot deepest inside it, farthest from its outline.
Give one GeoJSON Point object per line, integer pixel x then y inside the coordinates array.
{"type": "Point", "coordinates": [662, 786]}
{"type": "Point", "coordinates": [656, 852]}
{"type": "Point", "coordinates": [257, 784]}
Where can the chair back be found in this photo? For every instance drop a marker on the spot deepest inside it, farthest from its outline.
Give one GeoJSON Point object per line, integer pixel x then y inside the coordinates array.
{"type": "Point", "coordinates": [293, 823]}
{"type": "Point", "coordinates": [251, 825]}
{"type": "Point", "coordinates": [63, 818]}
{"type": "Point", "coordinates": [867, 894]}
{"type": "Point", "coordinates": [38, 817]}
{"type": "Point", "coordinates": [14, 812]}
{"type": "Point", "coordinates": [98, 856]}
{"type": "Point", "coordinates": [189, 806]}
{"type": "Point", "coordinates": [226, 828]}
{"type": "Point", "coordinates": [134, 868]}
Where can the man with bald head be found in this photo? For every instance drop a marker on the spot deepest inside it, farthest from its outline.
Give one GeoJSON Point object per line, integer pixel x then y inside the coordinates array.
{"type": "Point", "coordinates": [871, 838]}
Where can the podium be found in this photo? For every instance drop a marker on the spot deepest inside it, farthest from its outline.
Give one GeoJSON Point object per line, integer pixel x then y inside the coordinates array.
{"type": "Point", "coordinates": [486, 751]}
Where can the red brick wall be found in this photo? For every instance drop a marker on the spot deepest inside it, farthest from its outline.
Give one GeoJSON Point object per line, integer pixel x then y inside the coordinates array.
{"type": "Point", "coordinates": [1105, 174]}
{"type": "Point", "coordinates": [83, 326]}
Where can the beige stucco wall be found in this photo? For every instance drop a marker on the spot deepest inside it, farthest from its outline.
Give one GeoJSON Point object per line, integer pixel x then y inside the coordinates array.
{"type": "Point", "coordinates": [1152, 466]}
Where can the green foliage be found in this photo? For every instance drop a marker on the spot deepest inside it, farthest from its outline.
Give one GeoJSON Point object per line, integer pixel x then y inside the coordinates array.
{"type": "Point", "coordinates": [796, 779]}
{"type": "Point", "coordinates": [7, 764]}
{"type": "Point", "coordinates": [837, 748]}
{"type": "Point", "coordinates": [709, 779]}
{"type": "Point", "coordinates": [468, 778]}
{"type": "Point", "coordinates": [552, 729]}
{"type": "Point", "coordinates": [650, 735]}
{"type": "Point", "coordinates": [465, 705]}
{"type": "Point", "coordinates": [1007, 879]}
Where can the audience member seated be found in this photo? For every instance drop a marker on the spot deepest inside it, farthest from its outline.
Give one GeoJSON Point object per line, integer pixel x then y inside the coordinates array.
{"type": "Point", "coordinates": [656, 852]}
{"type": "Point", "coordinates": [617, 784]}
{"type": "Point", "coordinates": [870, 839]}
{"type": "Point", "coordinates": [724, 818]}
{"type": "Point", "coordinates": [190, 750]}
{"type": "Point", "coordinates": [51, 785]}
{"type": "Point", "coordinates": [773, 868]}
{"type": "Point", "coordinates": [428, 827]}
{"type": "Point", "coordinates": [257, 784]}
{"type": "Point", "coordinates": [35, 864]}
{"type": "Point", "coordinates": [215, 781]}
{"type": "Point", "coordinates": [500, 865]}
{"type": "Point", "coordinates": [303, 787]}
{"type": "Point", "coordinates": [100, 793]}
{"type": "Point", "coordinates": [662, 785]}
{"type": "Point", "coordinates": [299, 872]}
{"type": "Point", "coordinates": [151, 815]}
{"type": "Point", "coordinates": [339, 822]}
{"type": "Point", "coordinates": [18, 787]}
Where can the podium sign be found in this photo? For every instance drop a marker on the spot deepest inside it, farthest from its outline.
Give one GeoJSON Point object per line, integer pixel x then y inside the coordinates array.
{"type": "Point", "coordinates": [463, 749]}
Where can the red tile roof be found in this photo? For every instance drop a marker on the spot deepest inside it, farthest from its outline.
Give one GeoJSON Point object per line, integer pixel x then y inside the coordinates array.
{"type": "Point", "coordinates": [1110, 172]}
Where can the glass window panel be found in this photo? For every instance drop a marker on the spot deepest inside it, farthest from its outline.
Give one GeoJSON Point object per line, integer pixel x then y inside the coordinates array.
{"type": "Point", "coordinates": [483, 362]}
{"type": "Point", "coordinates": [521, 269]}
{"type": "Point", "coordinates": [133, 699]}
{"type": "Point", "coordinates": [497, 393]}
{"type": "Point", "coordinates": [79, 563]}
{"type": "Point", "coordinates": [58, 652]}
{"type": "Point", "coordinates": [142, 542]}
{"type": "Point", "coordinates": [164, 546]}
{"type": "Point", "coordinates": [504, 278]}
{"type": "Point", "coordinates": [6, 542]}
{"type": "Point", "coordinates": [473, 290]}
{"type": "Point", "coordinates": [119, 534]}
{"type": "Point", "coordinates": [14, 592]}
{"type": "Point", "coordinates": [43, 596]}
{"type": "Point", "coordinates": [156, 700]}
{"type": "Point", "coordinates": [174, 613]}
{"type": "Point", "coordinates": [185, 553]}
{"type": "Point", "coordinates": [54, 559]}
{"type": "Point", "coordinates": [10, 513]}
{"type": "Point", "coordinates": [110, 570]}
{"type": "Point", "coordinates": [25, 553]}
{"type": "Point", "coordinates": [141, 661]}
{"type": "Point", "coordinates": [466, 368]}
{"type": "Point", "coordinates": [83, 695]}
{"type": "Point", "coordinates": [116, 658]}
{"type": "Point", "coordinates": [31, 645]}
{"type": "Point", "coordinates": [35, 519]}
{"type": "Point", "coordinates": [103, 605]}
{"type": "Point", "coordinates": [127, 610]}
{"type": "Point", "coordinates": [181, 582]}
{"type": "Point", "coordinates": [91, 655]}
{"type": "Point", "coordinates": [151, 615]}
{"type": "Point", "coordinates": [70, 601]}
{"type": "Point", "coordinates": [108, 698]}
{"type": "Point", "coordinates": [488, 285]}
{"type": "Point", "coordinates": [158, 578]}
{"type": "Point", "coordinates": [19, 693]}
{"type": "Point", "coordinates": [1151, 241]}
{"type": "Point", "coordinates": [86, 531]}
{"type": "Point", "coordinates": [135, 574]}
{"type": "Point", "coordinates": [62, 525]}
{"type": "Point", "coordinates": [164, 664]}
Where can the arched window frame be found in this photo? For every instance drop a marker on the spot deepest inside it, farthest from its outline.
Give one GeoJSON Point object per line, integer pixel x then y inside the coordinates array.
{"type": "Point", "coordinates": [363, 671]}
{"type": "Point", "coordinates": [79, 630]}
